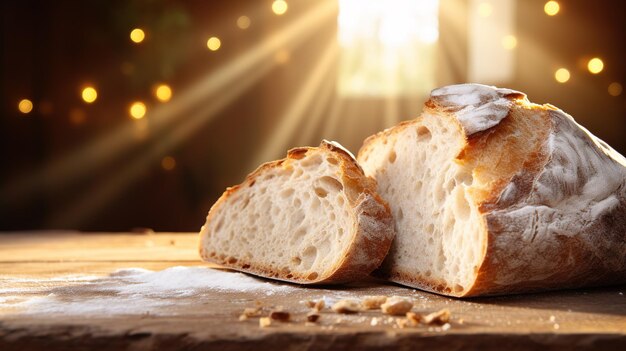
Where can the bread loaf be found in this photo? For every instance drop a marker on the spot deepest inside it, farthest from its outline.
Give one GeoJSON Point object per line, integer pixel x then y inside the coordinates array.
{"type": "Point", "coordinates": [492, 194]}
{"type": "Point", "coordinates": [312, 217]}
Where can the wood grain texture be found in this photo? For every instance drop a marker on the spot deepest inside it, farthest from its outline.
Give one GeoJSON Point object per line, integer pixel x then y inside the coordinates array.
{"type": "Point", "coordinates": [581, 319]}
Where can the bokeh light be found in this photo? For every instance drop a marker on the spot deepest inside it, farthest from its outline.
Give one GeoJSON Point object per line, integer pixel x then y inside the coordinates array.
{"type": "Point", "coordinates": [77, 116]}
{"type": "Point", "coordinates": [509, 42]}
{"type": "Point", "coordinates": [89, 94]}
{"type": "Point", "coordinates": [485, 9]}
{"type": "Point", "coordinates": [25, 106]}
{"type": "Point", "coordinates": [243, 22]}
{"type": "Point", "coordinates": [168, 163]}
{"type": "Point", "coordinates": [595, 65]}
{"type": "Point", "coordinates": [137, 35]}
{"type": "Point", "coordinates": [279, 7]}
{"type": "Point", "coordinates": [163, 92]}
{"type": "Point", "coordinates": [551, 8]}
{"type": "Point", "coordinates": [137, 110]}
{"type": "Point", "coordinates": [213, 43]}
{"type": "Point", "coordinates": [562, 75]}
{"type": "Point", "coordinates": [615, 89]}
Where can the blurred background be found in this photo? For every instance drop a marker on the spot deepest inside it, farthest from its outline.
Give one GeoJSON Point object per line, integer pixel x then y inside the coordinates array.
{"type": "Point", "coordinates": [119, 114]}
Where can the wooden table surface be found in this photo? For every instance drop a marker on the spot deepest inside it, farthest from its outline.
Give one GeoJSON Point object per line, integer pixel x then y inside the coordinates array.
{"type": "Point", "coordinates": [32, 266]}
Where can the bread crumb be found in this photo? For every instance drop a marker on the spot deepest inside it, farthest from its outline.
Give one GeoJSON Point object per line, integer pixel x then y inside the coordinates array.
{"type": "Point", "coordinates": [556, 326]}
{"type": "Point", "coordinates": [413, 318]}
{"type": "Point", "coordinates": [312, 317]}
{"type": "Point", "coordinates": [279, 315]}
{"type": "Point", "coordinates": [402, 322]}
{"type": "Point", "coordinates": [397, 306]}
{"type": "Point", "coordinates": [346, 306]}
{"type": "Point", "coordinates": [375, 321]}
{"type": "Point", "coordinates": [552, 318]}
{"type": "Point", "coordinates": [249, 312]}
{"type": "Point", "coordinates": [339, 320]}
{"type": "Point", "coordinates": [316, 305]}
{"type": "Point", "coordinates": [265, 322]}
{"type": "Point", "coordinates": [373, 302]}
{"type": "Point", "coordinates": [446, 326]}
{"type": "Point", "coordinates": [440, 317]}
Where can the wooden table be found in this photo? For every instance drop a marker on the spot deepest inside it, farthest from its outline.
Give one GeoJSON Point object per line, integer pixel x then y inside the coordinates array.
{"type": "Point", "coordinates": [30, 264]}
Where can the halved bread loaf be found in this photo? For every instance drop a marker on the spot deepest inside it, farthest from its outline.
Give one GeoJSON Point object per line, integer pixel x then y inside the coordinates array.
{"type": "Point", "coordinates": [312, 217]}
{"type": "Point", "coordinates": [492, 194]}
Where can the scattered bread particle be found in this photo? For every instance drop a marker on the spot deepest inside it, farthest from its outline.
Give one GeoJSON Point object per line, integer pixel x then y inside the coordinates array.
{"type": "Point", "coordinates": [375, 321]}
{"type": "Point", "coordinates": [279, 315]}
{"type": "Point", "coordinates": [265, 322]}
{"type": "Point", "coordinates": [440, 317]}
{"type": "Point", "coordinates": [316, 305]}
{"type": "Point", "coordinates": [312, 317]}
{"type": "Point", "coordinates": [373, 302]}
{"type": "Point", "coordinates": [413, 318]}
{"type": "Point", "coordinates": [249, 312]}
{"type": "Point", "coordinates": [397, 306]}
{"type": "Point", "coordinates": [346, 306]}
{"type": "Point", "coordinates": [445, 327]}
{"type": "Point", "coordinates": [402, 322]}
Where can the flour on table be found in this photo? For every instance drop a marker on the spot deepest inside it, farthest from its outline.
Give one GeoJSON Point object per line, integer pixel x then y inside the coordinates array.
{"type": "Point", "coordinates": [127, 291]}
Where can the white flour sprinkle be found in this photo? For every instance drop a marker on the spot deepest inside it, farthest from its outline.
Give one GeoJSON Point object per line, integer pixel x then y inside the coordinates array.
{"type": "Point", "coordinates": [185, 281]}
{"type": "Point", "coordinates": [128, 291]}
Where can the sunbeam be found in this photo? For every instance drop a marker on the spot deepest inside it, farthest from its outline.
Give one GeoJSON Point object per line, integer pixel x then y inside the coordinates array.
{"type": "Point", "coordinates": [93, 156]}
{"type": "Point", "coordinates": [296, 111]}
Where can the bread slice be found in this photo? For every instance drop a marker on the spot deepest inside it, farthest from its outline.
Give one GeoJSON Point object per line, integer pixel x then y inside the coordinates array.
{"type": "Point", "coordinates": [492, 194]}
{"type": "Point", "coordinates": [312, 217]}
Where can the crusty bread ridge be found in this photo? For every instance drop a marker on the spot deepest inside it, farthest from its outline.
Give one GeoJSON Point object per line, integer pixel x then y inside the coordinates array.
{"type": "Point", "coordinates": [515, 197]}
{"type": "Point", "coordinates": [312, 217]}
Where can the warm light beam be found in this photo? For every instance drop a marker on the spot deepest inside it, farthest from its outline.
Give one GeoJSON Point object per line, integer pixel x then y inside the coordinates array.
{"type": "Point", "coordinates": [246, 68]}
{"type": "Point", "coordinates": [297, 109]}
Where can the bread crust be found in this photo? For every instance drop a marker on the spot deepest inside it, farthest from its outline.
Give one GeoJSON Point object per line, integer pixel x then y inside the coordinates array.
{"type": "Point", "coordinates": [371, 236]}
{"type": "Point", "coordinates": [552, 200]}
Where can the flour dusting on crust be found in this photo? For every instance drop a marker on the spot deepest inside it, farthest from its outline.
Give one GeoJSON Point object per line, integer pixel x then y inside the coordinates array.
{"type": "Point", "coordinates": [477, 107]}
{"type": "Point", "coordinates": [579, 197]}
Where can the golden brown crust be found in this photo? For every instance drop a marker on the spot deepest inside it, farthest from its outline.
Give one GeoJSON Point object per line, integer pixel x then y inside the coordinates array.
{"type": "Point", "coordinates": [370, 243]}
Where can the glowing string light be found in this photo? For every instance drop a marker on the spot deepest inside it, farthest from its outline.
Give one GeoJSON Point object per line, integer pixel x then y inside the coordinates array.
{"type": "Point", "coordinates": [137, 35]}
{"type": "Point", "coordinates": [137, 110]}
{"type": "Point", "coordinates": [25, 106]}
{"type": "Point", "coordinates": [279, 7]}
{"type": "Point", "coordinates": [562, 75]}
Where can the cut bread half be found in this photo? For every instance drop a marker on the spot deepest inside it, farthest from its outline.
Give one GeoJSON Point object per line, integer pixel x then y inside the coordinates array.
{"type": "Point", "coordinates": [492, 194]}
{"type": "Point", "coordinates": [312, 217]}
